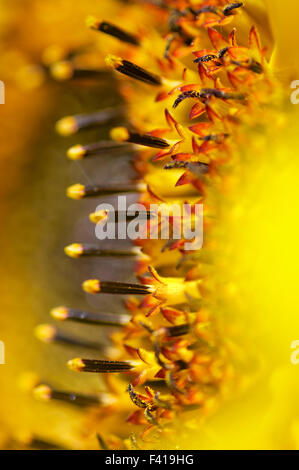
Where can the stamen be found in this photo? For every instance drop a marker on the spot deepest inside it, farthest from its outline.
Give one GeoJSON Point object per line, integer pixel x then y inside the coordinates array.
{"type": "Point", "coordinates": [254, 66]}
{"type": "Point", "coordinates": [207, 9]}
{"type": "Point", "coordinates": [98, 366]}
{"type": "Point", "coordinates": [198, 168]}
{"type": "Point", "coordinates": [133, 442]}
{"type": "Point", "coordinates": [35, 443]}
{"type": "Point", "coordinates": [94, 286]}
{"type": "Point", "coordinates": [111, 30]}
{"type": "Point", "coordinates": [78, 152]}
{"type": "Point", "coordinates": [71, 124]}
{"type": "Point", "coordinates": [214, 137]}
{"type": "Point", "coordinates": [209, 57]}
{"type": "Point", "coordinates": [175, 165]}
{"type": "Point", "coordinates": [177, 330]}
{"type": "Point", "coordinates": [150, 417]}
{"type": "Point", "coordinates": [46, 333]}
{"type": "Point", "coordinates": [228, 10]}
{"type": "Point", "coordinates": [102, 215]}
{"type": "Point", "coordinates": [161, 403]}
{"type": "Point", "coordinates": [77, 250]}
{"type": "Point", "coordinates": [158, 3]}
{"type": "Point", "coordinates": [45, 393]}
{"type": "Point", "coordinates": [161, 363]}
{"type": "Point", "coordinates": [169, 42]}
{"type": "Point", "coordinates": [102, 442]}
{"type": "Point", "coordinates": [65, 70]}
{"type": "Point", "coordinates": [135, 398]}
{"type": "Point", "coordinates": [147, 327]}
{"type": "Point", "coordinates": [170, 381]}
{"type": "Point", "coordinates": [98, 216]}
{"type": "Point", "coordinates": [132, 70]}
{"type": "Point", "coordinates": [207, 93]}
{"type": "Point", "coordinates": [122, 134]}
{"type": "Point", "coordinates": [199, 344]}
{"type": "Point", "coordinates": [76, 191]}
{"type": "Point", "coordinates": [68, 314]}
{"type": "Point", "coordinates": [79, 191]}
{"type": "Point", "coordinates": [205, 58]}
{"type": "Point", "coordinates": [53, 54]}
{"type": "Point", "coordinates": [49, 334]}
{"type": "Point", "coordinates": [62, 70]}
{"type": "Point", "coordinates": [222, 52]}
{"type": "Point", "coordinates": [185, 95]}
{"type": "Point", "coordinates": [173, 21]}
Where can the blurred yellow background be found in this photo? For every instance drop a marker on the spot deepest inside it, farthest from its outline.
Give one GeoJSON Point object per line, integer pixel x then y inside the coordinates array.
{"type": "Point", "coordinates": [37, 219]}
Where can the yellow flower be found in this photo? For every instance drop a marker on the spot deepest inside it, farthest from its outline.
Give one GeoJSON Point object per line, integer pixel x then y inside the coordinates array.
{"type": "Point", "coordinates": [202, 357]}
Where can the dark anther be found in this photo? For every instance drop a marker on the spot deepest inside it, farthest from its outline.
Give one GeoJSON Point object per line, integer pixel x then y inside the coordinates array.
{"type": "Point", "coordinates": [205, 58]}
{"type": "Point", "coordinates": [228, 10]}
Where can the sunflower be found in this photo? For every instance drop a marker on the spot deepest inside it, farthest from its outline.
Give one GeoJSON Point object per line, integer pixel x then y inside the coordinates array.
{"type": "Point", "coordinates": [205, 336]}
